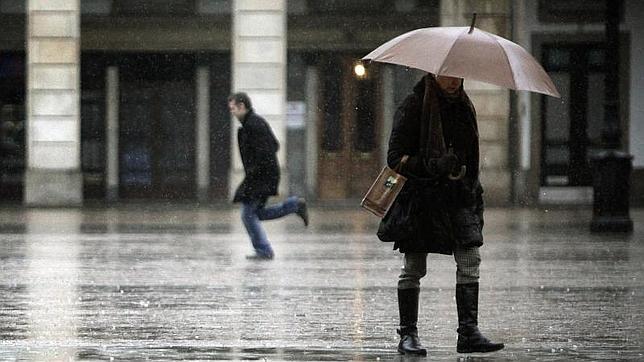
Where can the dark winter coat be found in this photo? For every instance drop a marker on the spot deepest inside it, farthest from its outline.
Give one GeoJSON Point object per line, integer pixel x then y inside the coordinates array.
{"type": "Point", "coordinates": [258, 148]}
{"type": "Point", "coordinates": [446, 213]}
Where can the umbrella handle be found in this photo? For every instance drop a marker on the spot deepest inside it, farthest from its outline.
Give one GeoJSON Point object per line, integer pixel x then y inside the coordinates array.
{"type": "Point", "coordinates": [460, 174]}
{"type": "Point", "coordinates": [472, 24]}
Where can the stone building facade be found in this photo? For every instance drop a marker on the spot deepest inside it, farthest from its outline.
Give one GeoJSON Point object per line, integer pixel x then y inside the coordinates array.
{"type": "Point", "coordinates": [117, 100]}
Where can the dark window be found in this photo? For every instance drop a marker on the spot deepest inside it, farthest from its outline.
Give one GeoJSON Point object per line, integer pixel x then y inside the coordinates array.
{"type": "Point", "coordinates": [341, 6]}
{"type": "Point", "coordinates": [558, 58]}
{"type": "Point", "coordinates": [365, 133]}
{"type": "Point", "coordinates": [214, 7]}
{"type": "Point", "coordinates": [572, 125]}
{"type": "Point", "coordinates": [156, 125]}
{"type": "Point", "coordinates": [93, 147]}
{"type": "Point", "coordinates": [12, 6]}
{"type": "Point", "coordinates": [12, 124]}
{"type": "Point", "coordinates": [332, 107]}
{"type": "Point", "coordinates": [371, 6]}
{"type": "Point", "coordinates": [596, 57]}
{"type": "Point", "coordinates": [96, 7]}
{"type": "Point", "coordinates": [93, 7]}
{"type": "Point", "coordinates": [220, 123]}
{"type": "Point", "coordinates": [154, 7]}
{"type": "Point", "coordinates": [574, 11]}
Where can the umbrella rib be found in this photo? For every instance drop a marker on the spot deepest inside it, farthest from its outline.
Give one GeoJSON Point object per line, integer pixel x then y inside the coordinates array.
{"type": "Point", "coordinates": [505, 55]}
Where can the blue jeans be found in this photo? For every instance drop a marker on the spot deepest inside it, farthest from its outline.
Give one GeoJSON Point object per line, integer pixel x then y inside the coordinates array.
{"type": "Point", "coordinates": [255, 211]}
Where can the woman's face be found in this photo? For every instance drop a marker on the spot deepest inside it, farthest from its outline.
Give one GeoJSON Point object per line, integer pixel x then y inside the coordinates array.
{"type": "Point", "coordinates": [449, 85]}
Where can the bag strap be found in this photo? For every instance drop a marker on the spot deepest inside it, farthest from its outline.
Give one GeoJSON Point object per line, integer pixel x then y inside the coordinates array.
{"type": "Point", "coordinates": [402, 163]}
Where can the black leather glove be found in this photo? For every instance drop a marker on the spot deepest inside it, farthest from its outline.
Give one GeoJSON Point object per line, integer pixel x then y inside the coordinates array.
{"type": "Point", "coordinates": [443, 165]}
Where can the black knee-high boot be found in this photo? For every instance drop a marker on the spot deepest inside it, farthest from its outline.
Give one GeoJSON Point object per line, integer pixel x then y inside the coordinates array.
{"type": "Point", "coordinates": [408, 309]}
{"type": "Point", "coordinates": [470, 338]}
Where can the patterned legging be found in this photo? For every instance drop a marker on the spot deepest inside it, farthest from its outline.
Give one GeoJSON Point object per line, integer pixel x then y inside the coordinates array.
{"type": "Point", "coordinates": [467, 267]}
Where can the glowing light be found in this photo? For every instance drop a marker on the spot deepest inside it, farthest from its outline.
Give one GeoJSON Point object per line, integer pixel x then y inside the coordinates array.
{"type": "Point", "coordinates": [360, 70]}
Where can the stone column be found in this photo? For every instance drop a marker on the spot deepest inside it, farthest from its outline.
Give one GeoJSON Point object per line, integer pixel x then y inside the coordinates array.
{"type": "Point", "coordinates": [112, 132]}
{"type": "Point", "coordinates": [521, 131]}
{"type": "Point", "coordinates": [259, 69]}
{"type": "Point", "coordinates": [203, 133]}
{"type": "Point", "coordinates": [492, 103]}
{"type": "Point", "coordinates": [53, 176]}
{"type": "Point", "coordinates": [389, 109]}
{"type": "Point", "coordinates": [312, 107]}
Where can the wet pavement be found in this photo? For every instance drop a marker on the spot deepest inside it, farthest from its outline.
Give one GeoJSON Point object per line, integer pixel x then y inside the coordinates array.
{"type": "Point", "coordinates": [172, 282]}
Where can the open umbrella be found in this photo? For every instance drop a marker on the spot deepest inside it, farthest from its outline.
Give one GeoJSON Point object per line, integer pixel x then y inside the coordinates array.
{"type": "Point", "coordinates": [469, 53]}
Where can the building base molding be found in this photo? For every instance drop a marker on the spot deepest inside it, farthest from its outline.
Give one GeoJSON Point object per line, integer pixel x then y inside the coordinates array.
{"type": "Point", "coordinates": [53, 188]}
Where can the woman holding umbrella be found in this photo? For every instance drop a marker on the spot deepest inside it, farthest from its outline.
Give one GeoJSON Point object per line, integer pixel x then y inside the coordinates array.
{"type": "Point", "coordinates": [436, 128]}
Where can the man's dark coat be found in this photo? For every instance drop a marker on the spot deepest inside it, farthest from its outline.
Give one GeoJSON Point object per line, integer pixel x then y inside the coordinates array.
{"type": "Point", "coordinates": [437, 198]}
{"type": "Point", "coordinates": [258, 148]}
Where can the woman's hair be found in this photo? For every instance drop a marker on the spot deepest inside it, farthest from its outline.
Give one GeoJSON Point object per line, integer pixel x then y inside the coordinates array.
{"type": "Point", "coordinates": [242, 98]}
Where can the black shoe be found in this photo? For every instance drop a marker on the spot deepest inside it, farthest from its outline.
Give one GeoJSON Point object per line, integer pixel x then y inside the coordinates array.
{"type": "Point", "coordinates": [476, 342]}
{"type": "Point", "coordinates": [302, 211]}
{"type": "Point", "coordinates": [258, 256]}
{"type": "Point", "coordinates": [409, 342]}
{"type": "Point", "coordinates": [408, 309]}
{"type": "Point", "coordinates": [470, 338]}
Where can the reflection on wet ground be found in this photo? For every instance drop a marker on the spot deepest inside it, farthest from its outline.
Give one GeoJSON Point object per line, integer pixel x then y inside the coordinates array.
{"type": "Point", "coordinates": [173, 283]}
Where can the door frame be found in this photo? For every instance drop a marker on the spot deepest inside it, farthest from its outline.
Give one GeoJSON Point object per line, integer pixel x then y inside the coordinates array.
{"type": "Point", "coordinates": [569, 195]}
{"type": "Point", "coordinates": [578, 123]}
{"type": "Point", "coordinates": [333, 181]}
{"type": "Point", "coordinates": [157, 189]}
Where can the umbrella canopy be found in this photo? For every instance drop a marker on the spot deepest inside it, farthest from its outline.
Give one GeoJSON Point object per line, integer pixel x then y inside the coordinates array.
{"type": "Point", "coordinates": [467, 52]}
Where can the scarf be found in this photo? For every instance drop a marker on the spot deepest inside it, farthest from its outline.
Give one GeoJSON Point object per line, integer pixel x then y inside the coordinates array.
{"type": "Point", "coordinates": [432, 138]}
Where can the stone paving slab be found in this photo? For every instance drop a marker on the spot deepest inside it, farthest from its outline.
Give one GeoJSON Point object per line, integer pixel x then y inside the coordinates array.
{"type": "Point", "coordinates": [164, 283]}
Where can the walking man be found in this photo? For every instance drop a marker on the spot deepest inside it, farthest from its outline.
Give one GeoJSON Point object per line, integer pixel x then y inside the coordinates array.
{"type": "Point", "coordinates": [258, 148]}
{"type": "Point", "coordinates": [436, 128]}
